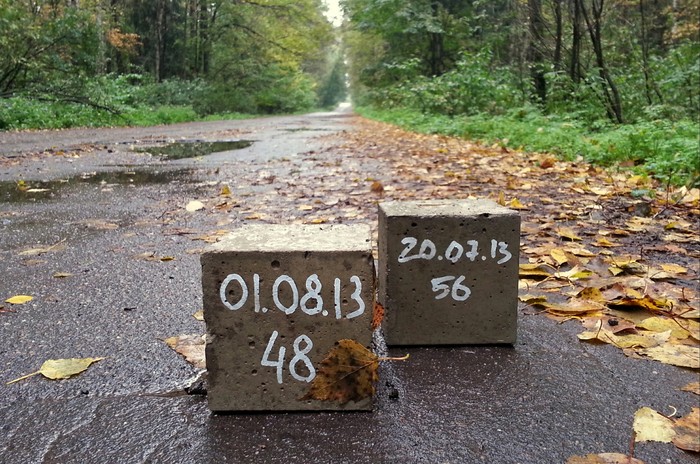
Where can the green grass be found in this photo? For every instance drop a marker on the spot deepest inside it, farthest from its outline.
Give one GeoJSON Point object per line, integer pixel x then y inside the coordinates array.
{"type": "Point", "coordinates": [20, 114]}
{"type": "Point", "coordinates": [666, 150]}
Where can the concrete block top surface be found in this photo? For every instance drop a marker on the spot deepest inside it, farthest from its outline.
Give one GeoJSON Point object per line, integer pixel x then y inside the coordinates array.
{"type": "Point", "coordinates": [441, 208]}
{"type": "Point", "coordinates": [288, 238]}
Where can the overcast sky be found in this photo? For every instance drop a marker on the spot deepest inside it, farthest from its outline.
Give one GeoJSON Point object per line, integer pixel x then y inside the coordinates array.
{"type": "Point", "coordinates": [334, 13]}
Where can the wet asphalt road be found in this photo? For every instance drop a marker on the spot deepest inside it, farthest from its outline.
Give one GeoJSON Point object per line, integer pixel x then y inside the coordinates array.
{"type": "Point", "coordinates": [542, 401]}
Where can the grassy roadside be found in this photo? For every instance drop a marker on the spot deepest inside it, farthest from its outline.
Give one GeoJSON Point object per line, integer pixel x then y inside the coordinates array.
{"type": "Point", "coordinates": [666, 150]}
{"type": "Point", "coordinates": [22, 114]}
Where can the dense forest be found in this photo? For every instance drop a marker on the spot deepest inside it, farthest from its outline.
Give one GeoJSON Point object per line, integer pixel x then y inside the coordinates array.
{"type": "Point", "coordinates": [217, 56]}
{"type": "Point", "coordinates": [613, 80]}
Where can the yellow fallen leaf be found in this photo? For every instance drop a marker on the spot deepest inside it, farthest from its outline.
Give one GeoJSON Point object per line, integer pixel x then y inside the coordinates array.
{"type": "Point", "coordinates": [649, 425]}
{"type": "Point", "coordinates": [559, 256]}
{"type": "Point", "coordinates": [167, 258]}
{"type": "Point", "coordinates": [674, 354]}
{"type": "Point", "coordinates": [19, 299]}
{"type": "Point", "coordinates": [604, 243]}
{"type": "Point", "coordinates": [568, 233]}
{"type": "Point", "coordinates": [640, 340]}
{"type": "Point", "coordinates": [674, 268]}
{"type": "Point", "coordinates": [199, 315]}
{"type": "Point", "coordinates": [60, 368]}
{"type": "Point", "coordinates": [576, 273]}
{"type": "Point", "coordinates": [662, 324]}
{"type": "Point", "coordinates": [225, 191]}
{"type": "Point", "coordinates": [537, 270]}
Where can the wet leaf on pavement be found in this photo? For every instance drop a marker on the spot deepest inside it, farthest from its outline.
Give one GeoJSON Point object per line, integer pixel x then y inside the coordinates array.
{"type": "Point", "coordinates": [191, 347]}
{"type": "Point", "coordinates": [55, 369]}
{"type": "Point", "coordinates": [19, 299]}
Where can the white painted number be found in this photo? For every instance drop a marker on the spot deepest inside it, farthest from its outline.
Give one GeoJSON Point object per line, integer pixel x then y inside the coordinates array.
{"type": "Point", "coordinates": [454, 251]}
{"type": "Point", "coordinates": [300, 355]}
{"type": "Point", "coordinates": [313, 289]}
{"type": "Point", "coordinates": [356, 295]}
{"type": "Point", "coordinates": [224, 297]}
{"type": "Point", "coordinates": [457, 291]}
{"type": "Point", "coordinates": [276, 294]}
{"type": "Point", "coordinates": [279, 364]}
{"type": "Point", "coordinates": [288, 300]}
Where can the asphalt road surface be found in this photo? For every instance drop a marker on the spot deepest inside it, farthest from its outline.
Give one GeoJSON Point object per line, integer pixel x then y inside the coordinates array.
{"type": "Point", "coordinates": [106, 214]}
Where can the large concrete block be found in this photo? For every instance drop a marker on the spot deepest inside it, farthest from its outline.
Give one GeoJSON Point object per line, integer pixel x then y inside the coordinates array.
{"type": "Point", "coordinates": [276, 300]}
{"type": "Point", "coordinates": [448, 272]}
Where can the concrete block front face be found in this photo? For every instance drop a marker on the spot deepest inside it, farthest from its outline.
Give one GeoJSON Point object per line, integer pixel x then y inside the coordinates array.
{"type": "Point", "coordinates": [276, 300]}
{"type": "Point", "coordinates": [448, 272]}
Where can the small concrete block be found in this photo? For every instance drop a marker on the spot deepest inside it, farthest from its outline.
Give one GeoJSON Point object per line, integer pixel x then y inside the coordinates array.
{"type": "Point", "coordinates": [276, 300]}
{"type": "Point", "coordinates": [448, 272]}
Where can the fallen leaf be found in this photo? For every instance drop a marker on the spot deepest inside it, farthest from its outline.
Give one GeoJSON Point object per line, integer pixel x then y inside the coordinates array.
{"type": "Point", "coordinates": [19, 299]}
{"type": "Point", "coordinates": [568, 233]}
{"type": "Point", "coordinates": [649, 425]}
{"type": "Point", "coordinates": [674, 354]}
{"type": "Point", "coordinates": [194, 205]}
{"type": "Point", "coordinates": [376, 187]}
{"type": "Point", "coordinates": [199, 315]}
{"type": "Point", "coordinates": [377, 315]}
{"type": "Point", "coordinates": [347, 373]}
{"type": "Point", "coordinates": [662, 324]}
{"type": "Point", "coordinates": [604, 458]}
{"type": "Point", "coordinates": [225, 191]}
{"type": "Point", "coordinates": [60, 368]}
{"type": "Point", "coordinates": [688, 431]}
{"type": "Point", "coordinates": [191, 347]}
{"type": "Point", "coordinates": [62, 275]}
{"type": "Point", "coordinates": [693, 387]}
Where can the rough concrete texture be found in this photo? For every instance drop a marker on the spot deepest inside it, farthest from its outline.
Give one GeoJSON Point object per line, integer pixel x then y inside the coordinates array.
{"type": "Point", "coordinates": [267, 327]}
{"type": "Point", "coordinates": [448, 272]}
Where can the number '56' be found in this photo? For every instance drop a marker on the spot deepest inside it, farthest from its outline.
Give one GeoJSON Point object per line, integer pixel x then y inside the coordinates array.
{"type": "Point", "coordinates": [456, 290]}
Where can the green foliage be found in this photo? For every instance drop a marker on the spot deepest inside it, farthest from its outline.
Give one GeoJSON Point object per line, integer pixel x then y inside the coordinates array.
{"type": "Point", "coordinates": [664, 149]}
{"type": "Point", "coordinates": [474, 86]}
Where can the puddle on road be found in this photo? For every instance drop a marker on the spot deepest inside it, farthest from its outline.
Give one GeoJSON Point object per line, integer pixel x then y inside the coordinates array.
{"type": "Point", "coordinates": [194, 148]}
{"type": "Point", "coordinates": [27, 191]}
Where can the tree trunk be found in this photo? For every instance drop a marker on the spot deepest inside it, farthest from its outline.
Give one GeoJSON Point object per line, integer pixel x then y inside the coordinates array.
{"type": "Point", "coordinates": [160, 26]}
{"type": "Point", "coordinates": [612, 102]}
{"type": "Point", "coordinates": [575, 66]}
{"type": "Point", "coordinates": [558, 34]}
{"type": "Point", "coordinates": [535, 54]}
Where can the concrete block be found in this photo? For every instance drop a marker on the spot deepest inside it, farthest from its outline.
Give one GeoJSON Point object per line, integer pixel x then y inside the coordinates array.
{"type": "Point", "coordinates": [448, 272]}
{"type": "Point", "coordinates": [276, 299]}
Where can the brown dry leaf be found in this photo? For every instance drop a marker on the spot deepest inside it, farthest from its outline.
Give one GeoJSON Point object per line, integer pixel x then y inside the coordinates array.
{"type": "Point", "coordinates": [36, 251]}
{"type": "Point", "coordinates": [191, 347]}
{"type": "Point", "coordinates": [61, 275]}
{"type": "Point", "coordinates": [377, 315]}
{"type": "Point", "coordinates": [376, 187]}
{"type": "Point", "coordinates": [604, 458]}
{"type": "Point", "coordinates": [688, 431]}
{"type": "Point", "coordinates": [348, 373]}
{"type": "Point", "coordinates": [646, 302]}
{"type": "Point", "coordinates": [60, 368]}
{"type": "Point", "coordinates": [693, 387]}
